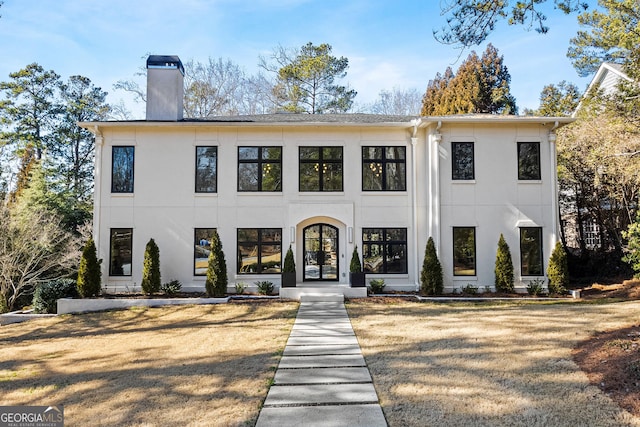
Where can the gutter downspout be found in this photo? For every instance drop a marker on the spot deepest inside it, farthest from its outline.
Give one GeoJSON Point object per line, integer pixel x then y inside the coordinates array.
{"type": "Point", "coordinates": [434, 185]}
{"type": "Point", "coordinates": [553, 160]}
{"type": "Point", "coordinates": [414, 201]}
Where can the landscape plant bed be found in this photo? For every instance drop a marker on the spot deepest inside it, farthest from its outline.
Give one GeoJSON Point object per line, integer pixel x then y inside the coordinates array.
{"type": "Point", "coordinates": [83, 305]}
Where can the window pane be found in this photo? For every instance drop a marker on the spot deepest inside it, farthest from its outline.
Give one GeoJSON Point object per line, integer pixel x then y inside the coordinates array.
{"type": "Point", "coordinates": [372, 256]}
{"type": "Point", "coordinates": [271, 177]}
{"type": "Point", "coordinates": [464, 251]}
{"type": "Point", "coordinates": [309, 153]}
{"type": "Point", "coordinates": [462, 160]}
{"type": "Point", "coordinates": [247, 235]}
{"type": "Point", "coordinates": [372, 176]}
{"type": "Point", "coordinates": [271, 235]}
{"type": "Point", "coordinates": [248, 258]}
{"type": "Point", "coordinates": [531, 251]}
{"type": "Point", "coordinates": [332, 153]}
{"type": "Point", "coordinates": [271, 153]}
{"type": "Point", "coordinates": [248, 177]}
{"type": "Point", "coordinates": [206, 169]}
{"type": "Point", "coordinates": [529, 160]}
{"type": "Point", "coordinates": [120, 252]}
{"type": "Point", "coordinates": [270, 259]}
{"type": "Point", "coordinates": [395, 153]}
{"type": "Point", "coordinates": [396, 177]}
{"type": "Point", "coordinates": [309, 177]}
{"type": "Point", "coordinates": [396, 234]}
{"type": "Point", "coordinates": [259, 250]}
{"type": "Point", "coordinates": [396, 258]}
{"type": "Point", "coordinates": [248, 153]}
{"type": "Point", "coordinates": [332, 177]}
{"type": "Point", "coordinates": [372, 235]}
{"type": "Point", "coordinates": [202, 247]}
{"type": "Point", "coordinates": [388, 257]}
{"type": "Point", "coordinates": [122, 169]}
{"type": "Point", "coordinates": [372, 153]}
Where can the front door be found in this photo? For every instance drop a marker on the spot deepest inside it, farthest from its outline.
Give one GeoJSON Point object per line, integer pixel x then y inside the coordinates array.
{"type": "Point", "coordinates": [321, 252]}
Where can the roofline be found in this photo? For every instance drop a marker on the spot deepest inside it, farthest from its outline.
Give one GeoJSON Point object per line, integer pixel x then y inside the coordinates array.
{"type": "Point", "coordinates": [422, 122]}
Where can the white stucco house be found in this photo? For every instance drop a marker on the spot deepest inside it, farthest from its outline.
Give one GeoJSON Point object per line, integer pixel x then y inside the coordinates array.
{"type": "Point", "coordinates": [321, 184]}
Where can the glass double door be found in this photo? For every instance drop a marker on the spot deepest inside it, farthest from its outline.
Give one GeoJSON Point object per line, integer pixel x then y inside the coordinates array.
{"type": "Point", "coordinates": [321, 252]}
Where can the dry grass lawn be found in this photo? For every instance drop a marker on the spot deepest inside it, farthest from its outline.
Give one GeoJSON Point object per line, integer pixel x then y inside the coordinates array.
{"type": "Point", "coordinates": [182, 365]}
{"type": "Point", "coordinates": [479, 364]}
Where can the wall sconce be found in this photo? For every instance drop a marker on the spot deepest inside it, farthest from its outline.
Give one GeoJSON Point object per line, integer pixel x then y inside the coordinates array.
{"type": "Point", "coordinates": [350, 234]}
{"type": "Point", "coordinates": [292, 234]}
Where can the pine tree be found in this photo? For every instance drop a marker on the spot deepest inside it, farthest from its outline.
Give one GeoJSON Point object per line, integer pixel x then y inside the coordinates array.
{"type": "Point", "coordinates": [504, 267]}
{"type": "Point", "coordinates": [431, 275]}
{"type": "Point", "coordinates": [558, 270]}
{"type": "Point", "coordinates": [89, 274]}
{"type": "Point", "coordinates": [216, 283]}
{"type": "Point", "coordinates": [151, 268]}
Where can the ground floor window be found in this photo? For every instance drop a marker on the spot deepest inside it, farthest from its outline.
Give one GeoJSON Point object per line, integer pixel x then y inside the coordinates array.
{"type": "Point", "coordinates": [464, 251]}
{"type": "Point", "coordinates": [201, 249]}
{"type": "Point", "coordinates": [259, 250]}
{"type": "Point", "coordinates": [531, 251]}
{"type": "Point", "coordinates": [384, 250]}
{"type": "Point", "coordinates": [120, 245]}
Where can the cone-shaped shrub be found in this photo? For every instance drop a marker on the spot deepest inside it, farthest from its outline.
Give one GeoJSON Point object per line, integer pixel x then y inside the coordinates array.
{"type": "Point", "coordinates": [355, 266]}
{"type": "Point", "coordinates": [289, 263]}
{"type": "Point", "coordinates": [504, 267]}
{"type": "Point", "coordinates": [216, 283]}
{"type": "Point", "coordinates": [89, 274]}
{"type": "Point", "coordinates": [431, 275]}
{"type": "Point", "coordinates": [558, 270]}
{"type": "Point", "coordinates": [151, 268]}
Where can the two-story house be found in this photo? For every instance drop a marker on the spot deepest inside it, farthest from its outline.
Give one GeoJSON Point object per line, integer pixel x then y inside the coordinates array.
{"type": "Point", "coordinates": [321, 184]}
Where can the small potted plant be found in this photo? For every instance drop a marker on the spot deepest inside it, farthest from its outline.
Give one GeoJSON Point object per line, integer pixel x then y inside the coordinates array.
{"type": "Point", "coordinates": [356, 275]}
{"type": "Point", "coordinates": [289, 270]}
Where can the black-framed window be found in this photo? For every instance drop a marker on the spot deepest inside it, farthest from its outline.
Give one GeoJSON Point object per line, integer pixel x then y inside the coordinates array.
{"type": "Point", "coordinates": [201, 249]}
{"type": "Point", "coordinates": [531, 263]}
{"type": "Point", "coordinates": [384, 169]}
{"type": "Point", "coordinates": [122, 162]}
{"type": "Point", "coordinates": [321, 169]}
{"type": "Point", "coordinates": [206, 169]}
{"type": "Point", "coordinates": [384, 250]}
{"type": "Point", "coordinates": [259, 168]}
{"type": "Point", "coordinates": [120, 251]}
{"type": "Point", "coordinates": [462, 161]}
{"type": "Point", "coordinates": [529, 161]}
{"type": "Point", "coordinates": [259, 250]}
{"type": "Point", "coordinates": [464, 251]}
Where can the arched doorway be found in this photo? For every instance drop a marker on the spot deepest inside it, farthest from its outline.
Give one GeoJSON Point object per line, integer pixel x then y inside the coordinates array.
{"type": "Point", "coordinates": [321, 252]}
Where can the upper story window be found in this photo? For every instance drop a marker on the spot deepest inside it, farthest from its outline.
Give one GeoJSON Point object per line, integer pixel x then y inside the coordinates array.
{"type": "Point", "coordinates": [321, 169]}
{"type": "Point", "coordinates": [462, 161]}
{"type": "Point", "coordinates": [120, 249]}
{"type": "Point", "coordinates": [206, 169]}
{"type": "Point", "coordinates": [122, 161]}
{"type": "Point", "coordinates": [464, 251]}
{"type": "Point", "coordinates": [384, 250]}
{"type": "Point", "coordinates": [529, 161]}
{"type": "Point", "coordinates": [259, 250]}
{"type": "Point", "coordinates": [259, 168]}
{"type": "Point", "coordinates": [384, 169]}
{"type": "Point", "coordinates": [531, 251]}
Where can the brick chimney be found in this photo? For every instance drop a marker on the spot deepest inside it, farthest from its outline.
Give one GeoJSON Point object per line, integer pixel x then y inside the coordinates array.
{"type": "Point", "coordinates": [165, 88]}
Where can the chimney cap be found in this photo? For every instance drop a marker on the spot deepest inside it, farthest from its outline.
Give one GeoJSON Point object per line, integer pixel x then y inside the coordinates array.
{"type": "Point", "coordinates": [165, 61]}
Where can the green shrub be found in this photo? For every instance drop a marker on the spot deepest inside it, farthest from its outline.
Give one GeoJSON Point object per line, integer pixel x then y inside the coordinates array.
{"type": "Point", "coordinates": [504, 267]}
{"type": "Point", "coordinates": [89, 274]}
{"type": "Point", "coordinates": [151, 268]}
{"type": "Point", "coordinates": [289, 263]}
{"type": "Point", "coordinates": [171, 288]}
{"type": "Point", "coordinates": [265, 287]}
{"type": "Point", "coordinates": [470, 290]}
{"type": "Point", "coordinates": [632, 251]}
{"type": "Point", "coordinates": [240, 288]}
{"type": "Point", "coordinates": [558, 270]}
{"type": "Point", "coordinates": [47, 294]}
{"type": "Point", "coordinates": [535, 287]}
{"type": "Point", "coordinates": [355, 266]}
{"type": "Point", "coordinates": [376, 285]}
{"type": "Point", "coordinates": [431, 275]}
{"type": "Point", "coordinates": [216, 283]}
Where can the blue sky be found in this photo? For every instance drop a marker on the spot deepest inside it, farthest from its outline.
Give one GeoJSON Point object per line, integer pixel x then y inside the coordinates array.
{"type": "Point", "coordinates": [388, 43]}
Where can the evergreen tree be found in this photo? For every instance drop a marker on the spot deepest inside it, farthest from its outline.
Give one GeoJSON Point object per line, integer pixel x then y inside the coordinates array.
{"type": "Point", "coordinates": [355, 266]}
{"type": "Point", "coordinates": [480, 85]}
{"type": "Point", "coordinates": [558, 270]}
{"type": "Point", "coordinates": [632, 255]}
{"type": "Point", "coordinates": [89, 274]}
{"type": "Point", "coordinates": [216, 283]}
{"type": "Point", "coordinates": [504, 267]}
{"type": "Point", "coordinates": [289, 263]}
{"type": "Point", "coordinates": [151, 268]}
{"type": "Point", "coordinates": [431, 275]}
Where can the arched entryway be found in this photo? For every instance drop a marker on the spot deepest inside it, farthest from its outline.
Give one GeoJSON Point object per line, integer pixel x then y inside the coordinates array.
{"type": "Point", "coordinates": [321, 257]}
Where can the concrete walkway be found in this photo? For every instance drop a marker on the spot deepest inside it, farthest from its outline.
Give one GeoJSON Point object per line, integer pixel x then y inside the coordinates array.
{"type": "Point", "coordinates": [322, 379]}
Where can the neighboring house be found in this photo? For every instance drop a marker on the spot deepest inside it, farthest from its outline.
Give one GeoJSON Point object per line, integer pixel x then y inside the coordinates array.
{"type": "Point", "coordinates": [322, 184]}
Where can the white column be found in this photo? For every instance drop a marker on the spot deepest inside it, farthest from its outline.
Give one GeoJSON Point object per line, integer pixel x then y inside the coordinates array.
{"type": "Point", "coordinates": [433, 161]}
{"type": "Point", "coordinates": [553, 161]}
{"type": "Point", "coordinates": [97, 191]}
{"type": "Point", "coordinates": [414, 213]}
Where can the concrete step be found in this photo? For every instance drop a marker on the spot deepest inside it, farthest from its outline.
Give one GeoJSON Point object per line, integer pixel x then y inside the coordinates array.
{"type": "Point", "coordinates": [321, 297]}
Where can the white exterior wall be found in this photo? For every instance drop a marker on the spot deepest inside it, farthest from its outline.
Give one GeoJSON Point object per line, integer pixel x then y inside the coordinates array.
{"type": "Point", "coordinates": [164, 205]}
